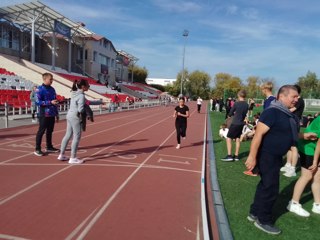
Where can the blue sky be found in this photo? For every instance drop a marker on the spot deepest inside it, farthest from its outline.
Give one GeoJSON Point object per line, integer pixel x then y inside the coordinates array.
{"type": "Point", "coordinates": [277, 39]}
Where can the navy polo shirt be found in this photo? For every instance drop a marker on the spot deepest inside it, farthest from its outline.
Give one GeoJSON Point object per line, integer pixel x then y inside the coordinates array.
{"type": "Point", "coordinates": [279, 139]}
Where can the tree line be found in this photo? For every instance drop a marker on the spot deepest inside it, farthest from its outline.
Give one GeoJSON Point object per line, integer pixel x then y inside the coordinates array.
{"type": "Point", "coordinates": [200, 83]}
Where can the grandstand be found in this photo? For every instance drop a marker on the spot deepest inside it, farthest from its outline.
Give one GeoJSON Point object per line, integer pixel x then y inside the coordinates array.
{"type": "Point", "coordinates": [65, 56]}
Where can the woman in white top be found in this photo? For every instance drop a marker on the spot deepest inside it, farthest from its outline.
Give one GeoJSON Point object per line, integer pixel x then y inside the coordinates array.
{"type": "Point", "coordinates": [199, 102]}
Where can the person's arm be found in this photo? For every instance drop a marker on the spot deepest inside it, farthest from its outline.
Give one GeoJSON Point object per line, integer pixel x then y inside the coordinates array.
{"type": "Point", "coordinates": [315, 163]}
{"type": "Point", "coordinates": [232, 110]}
{"type": "Point", "coordinates": [308, 136]}
{"type": "Point", "coordinates": [175, 114]}
{"type": "Point", "coordinates": [40, 101]}
{"type": "Point", "coordinates": [261, 130]}
{"type": "Point", "coordinates": [184, 115]}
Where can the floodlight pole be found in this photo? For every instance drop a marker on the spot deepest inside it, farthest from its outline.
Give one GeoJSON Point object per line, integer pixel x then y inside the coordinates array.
{"type": "Point", "coordinates": [184, 34]}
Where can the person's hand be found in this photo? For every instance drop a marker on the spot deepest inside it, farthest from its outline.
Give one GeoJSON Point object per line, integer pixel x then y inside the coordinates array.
{"type": "Point", "coordinates": [54, 102]}
{"type": "Point", "coordinates": [250, 163]}
{"type": "Point", "coordinates": [179, 114]}
{"type": "Point", "coordinates": [310, 136]}
{"type": "Point", "coordinates": [313, 167]}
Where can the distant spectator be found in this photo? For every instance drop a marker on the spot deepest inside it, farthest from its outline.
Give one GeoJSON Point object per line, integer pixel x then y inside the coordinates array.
{"type": "Point", "coordinates": [252, 104]}
{"type": "Point", "coordinates": [228, 106]}
{"type": "Point", "coordinates": [199, 103]}
{"type": "Point", "coordinates": [221, 104]}
{"type": "Point", "coordinates": [266, 89]}
{"type": "Point", "coordinates": [223, 131]}
{"type": "Point", "coordinates": [33, 99]}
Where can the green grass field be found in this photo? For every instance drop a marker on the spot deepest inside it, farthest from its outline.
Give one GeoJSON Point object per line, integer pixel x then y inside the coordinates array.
{"type": "Point", "coordinates": [238, 190]}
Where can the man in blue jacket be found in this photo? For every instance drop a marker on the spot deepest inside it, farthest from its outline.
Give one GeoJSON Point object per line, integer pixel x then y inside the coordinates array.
{"type": "Point", "coordinates": [46, 100]}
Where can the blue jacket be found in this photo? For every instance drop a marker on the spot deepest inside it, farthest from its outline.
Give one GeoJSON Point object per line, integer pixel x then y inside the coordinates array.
{"type": "Point", "coordinates": [44, 95]}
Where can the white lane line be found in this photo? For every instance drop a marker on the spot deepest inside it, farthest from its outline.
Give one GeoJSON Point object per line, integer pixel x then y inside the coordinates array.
{"type": "Point", "coordinates": [124, 139]}
{"type": "Point", "coordinates": [9, 237]}
{"type": "Point", "coordinates": [112, 164]}
{"type": "Point", "coordinates": [174, 156]}
{"type": "Point", "coordinates": [205, 229]}
{"type": "Point", "coordinates": [117, 192]}
{"type": "Point", "coordinates": [33, 185]}
{"type": "Point", "coordinates": [77, 229]}
{"type": "Point", "coordinates": [175, 162]}
{"type": "Point", "coordinates": [14, 150]}
{"type": "Point", "coordinates": [63, 130]}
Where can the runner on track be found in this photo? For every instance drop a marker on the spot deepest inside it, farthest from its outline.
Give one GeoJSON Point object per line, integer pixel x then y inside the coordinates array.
{"type": "Point", "coordinates": [181, 114]}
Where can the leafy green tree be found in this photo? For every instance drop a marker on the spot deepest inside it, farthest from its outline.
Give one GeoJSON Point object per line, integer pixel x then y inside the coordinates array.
{"type": "Point", "coordinates": [226, 85]}
{"type": "Point", "coordinates": [198, 84]}
{"type": "Point", "coordinates": [140, 74]}
{"type": "Point", "coordinates": [253, 87]}
{"type": "Point", "coordinates": [310, 85]}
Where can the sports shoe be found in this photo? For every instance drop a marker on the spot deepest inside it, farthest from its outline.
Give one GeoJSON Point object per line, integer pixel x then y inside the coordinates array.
{"type": "Point", "coordinates": [297, 209]}
{"type": "Point", "coordinates": [285, 167]}
{"type": "Point", "coordinates": [38, 153]}
{"type": "Point", "coordinates": [62, 158]}
{"type": "Point", "coordinates": [228, 158]}
{"type": "Point", "coordinates": [316, 208]}
{"type": "Point", "coordinates": [236, 158]}
{"type": "Point", "coordinates": [34, 120]}
{"type": "Point", "coordinates": [52, 150]}
{"type": "Point", "coordinates": [250, 173]}
{"type": "Point", "coordinates": [291, 172]}
{"type": "Point", "coordinates": [268, 228]}
{"type": "Point", "coordinates": [75, 161]}
{"type": "Point", "coordinates": [178, 146]}
{"type": "Point", "coordinates": [252, 218]}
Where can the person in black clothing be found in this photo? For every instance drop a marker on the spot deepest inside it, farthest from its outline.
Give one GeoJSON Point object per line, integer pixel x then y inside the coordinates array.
{"type": "Point", "coordinates": [239, 112]}
{"type": "Point", "coordinates": [221, 104]}
{"type": "Point", "coordinates": [181, 114]}
{"type": "Point", "coordinates": [228, 106]}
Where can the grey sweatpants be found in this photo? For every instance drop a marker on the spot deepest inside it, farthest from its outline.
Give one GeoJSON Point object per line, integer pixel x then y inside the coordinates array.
{"type": "Point", "coordinates": [73, 129]}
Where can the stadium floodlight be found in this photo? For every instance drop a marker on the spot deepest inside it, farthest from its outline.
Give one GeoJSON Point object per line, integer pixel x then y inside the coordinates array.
{"type": "Point", "coordinates": [185, 34]}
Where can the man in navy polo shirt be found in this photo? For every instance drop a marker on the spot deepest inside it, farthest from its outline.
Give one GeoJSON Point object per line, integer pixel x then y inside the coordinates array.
{"type": "Point", "coordinates": [276, 132]}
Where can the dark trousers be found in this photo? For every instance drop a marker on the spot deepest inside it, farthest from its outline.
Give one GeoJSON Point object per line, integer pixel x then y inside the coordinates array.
{"type": "Point", "coordinates": [46, 124]}
{"type": "Point", "coordinates": [268, 187]}
{"type": "Point", "coordinates": [199, 107]}
{"type": "Point", "coordinates": [181, 129]}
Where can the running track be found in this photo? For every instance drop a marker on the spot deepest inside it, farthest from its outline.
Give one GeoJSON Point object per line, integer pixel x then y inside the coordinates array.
{"type": "Point", "coordinates": [133, 185]}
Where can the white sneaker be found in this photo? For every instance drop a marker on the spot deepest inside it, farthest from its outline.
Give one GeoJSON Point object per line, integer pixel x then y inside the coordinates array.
{"type": "Point", "coordinates": [178, 146]}
{"type": "Point", "coordinates": [316, 208]}
{"type": "Point", "coordinates": [75, 161]}
{"type": "Point", "coordinates": [291, 172]}
{"type": "Point", "coordinates": [285, 167]}
{"type": "Point", "coordinates": [62, 158]}
{"type": "Point", "coordinates": [297, 209]}
{"type": "Point", "coordinates": [34, 120]}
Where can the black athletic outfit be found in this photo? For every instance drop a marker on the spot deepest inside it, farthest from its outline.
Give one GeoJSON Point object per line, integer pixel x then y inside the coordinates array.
{"type": "Point", "coordinates": [181, 122]}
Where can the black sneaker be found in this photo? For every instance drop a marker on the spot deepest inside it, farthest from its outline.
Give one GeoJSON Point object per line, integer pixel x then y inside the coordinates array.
{"type": "Point", "coordinates": [38, 153]}
{"type": "Point", "coordinates": [268, 228]}
{"type": "Point", "coordinates": [52, 150]}
{"type": "Point", "coordinates": [236, 158]}
{"type": "Point", "coordinates": [228, 158]}
{"type": "Point", "coordinates": [252, 218]}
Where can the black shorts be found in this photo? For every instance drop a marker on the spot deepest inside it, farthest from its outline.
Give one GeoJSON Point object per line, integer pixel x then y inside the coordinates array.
{"type": "Point", "coordinates": [235, 131]}
{"type": "Point", "coordinates": [306, 161]}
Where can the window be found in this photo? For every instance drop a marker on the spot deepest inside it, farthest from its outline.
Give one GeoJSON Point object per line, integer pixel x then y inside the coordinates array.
{"type": "Point", "coordinates": [80, 53]}
{"type": "Point", "coordinates": [112, 63]}
{"type": "Point", "coordinates": [94, 56]}
{"type": "Point", "coordinates": [102, 59]}
{"type": "Point", "coordinates": [86, 54]}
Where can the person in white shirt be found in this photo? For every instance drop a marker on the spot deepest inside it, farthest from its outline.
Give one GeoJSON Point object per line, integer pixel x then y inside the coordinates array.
{"type": "Point", "coordinates": [223, 131]}
{"type": "Point", "coordinates": [199, 103]}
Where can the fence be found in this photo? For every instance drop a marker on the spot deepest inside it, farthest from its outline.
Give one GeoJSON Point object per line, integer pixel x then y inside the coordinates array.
{"type": "Point", "coordinates": [312, 105]}
{"type": "Point", "coordinates": [9, 112]}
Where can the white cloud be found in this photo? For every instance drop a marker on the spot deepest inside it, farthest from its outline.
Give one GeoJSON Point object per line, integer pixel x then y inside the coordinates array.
{"type": "Point", "coordinates": [179, 6]}
{"type": "Point", "coordinates": [232, 9]}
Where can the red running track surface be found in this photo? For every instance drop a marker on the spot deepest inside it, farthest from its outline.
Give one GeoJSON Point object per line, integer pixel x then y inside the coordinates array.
{"type": "Point", "coordinates": [133, 185]}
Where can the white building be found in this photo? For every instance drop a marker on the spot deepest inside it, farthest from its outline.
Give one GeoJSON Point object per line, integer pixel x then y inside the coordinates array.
{"type": "Point", "coordinates": [161, 81]}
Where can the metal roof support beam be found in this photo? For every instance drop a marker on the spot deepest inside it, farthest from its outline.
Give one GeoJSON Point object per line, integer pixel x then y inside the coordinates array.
{"type": "Point", "coordinates": [53, 51]}
{"type": "Point", "coordinates": [69, 55]}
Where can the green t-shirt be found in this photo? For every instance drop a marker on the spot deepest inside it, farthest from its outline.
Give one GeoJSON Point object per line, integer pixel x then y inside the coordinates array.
{"type": "Point", "coordinates": [306, 146]}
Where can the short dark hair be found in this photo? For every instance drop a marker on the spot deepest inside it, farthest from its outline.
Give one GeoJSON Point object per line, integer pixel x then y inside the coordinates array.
{"type": "Point", "coordinates": [242, 93]}
{"type": "Point", "coordinates": [47, 75]}
{"type": "Point", "coordinates": [182, 98]}
{"type": "Point", "coordinates": [285, 90]}
{"type": "Point", "coordinates": [298, 88]}
{"type": "Point", "coordinates": [78, 84]}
